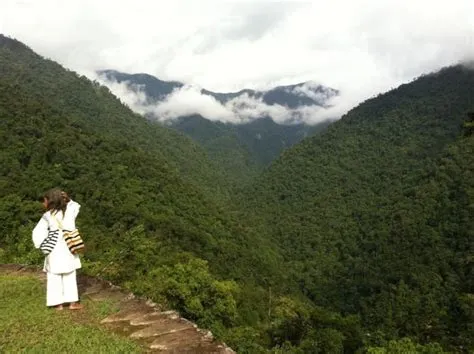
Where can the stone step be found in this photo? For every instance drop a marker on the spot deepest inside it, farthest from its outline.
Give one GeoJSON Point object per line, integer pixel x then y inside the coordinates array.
{"type": "Point", "coordinates": [20, 269]}
{"type": "Point", "coordinates": [163, 326]}
{"type": "Point", "coordinates": [186, 338]}
{"type": "Point", "coordinates": [125, 315]}
{"type": "Point", "coordinates": [188, 341]}
{"type": "Point", "coordinates": [134, 303]}
{"type": "Point", "coordinates": [93, 289]}
{"type": "Point", "coordinates": [152, 317]}
{"type": "Point", "coordinates": [124, 328]}
{"type": "Point", "coordinates": [111, 294]}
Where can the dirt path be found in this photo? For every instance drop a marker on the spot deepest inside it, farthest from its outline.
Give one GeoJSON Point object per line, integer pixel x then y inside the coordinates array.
{"type": "Point", "coordinates": [140, 319]}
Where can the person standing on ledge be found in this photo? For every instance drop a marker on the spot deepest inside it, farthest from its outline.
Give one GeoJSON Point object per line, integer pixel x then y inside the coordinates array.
{"type": "Point", "coordinates": [60, 264]}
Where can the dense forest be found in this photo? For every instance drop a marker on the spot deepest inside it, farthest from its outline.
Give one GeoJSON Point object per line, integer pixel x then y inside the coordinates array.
{"type": "Point", "coordinates": [374, 217]}
{"type": "Point", "coordinates": [359, 239]}
{"type": "Point", "coordinates": [242, 149]}
{"type": "Point", "coordinates": [155, 208]}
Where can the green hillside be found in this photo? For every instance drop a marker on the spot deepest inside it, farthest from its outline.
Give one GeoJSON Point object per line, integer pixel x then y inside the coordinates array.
{"type": "Point", "coordinates": [88, 107]}
{"type": "Point", "coordinates": [355, 240]}
{"type": "Point", "coordinates": [241, 150]}
{"type": "Point", "coordinates": [244, 150]}
{"type": "Point", "coordinates": [374, 217]}
{"type": "Point", "coordinates": [238, 164]}
{"type": "Point", "coordinates": [154, 207]}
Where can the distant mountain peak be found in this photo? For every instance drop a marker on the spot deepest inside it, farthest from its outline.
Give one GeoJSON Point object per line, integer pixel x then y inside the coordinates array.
{"type": "Point", "coordinates": [154, 88]}
{"type": "Point", "coordinates": [284, 104]}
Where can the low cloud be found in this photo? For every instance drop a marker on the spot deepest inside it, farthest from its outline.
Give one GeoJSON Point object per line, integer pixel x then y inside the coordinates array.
{"type": "Point", "coordinates": [359, 48]}
{"type": "Point", "coordinates": [469, 63]}
{"type": "Point", "coordinates": [311, 89]}
{"type": "Point", "coordinates": [135, 98]}
{"type": "Point", "coordinates": [189, 100]}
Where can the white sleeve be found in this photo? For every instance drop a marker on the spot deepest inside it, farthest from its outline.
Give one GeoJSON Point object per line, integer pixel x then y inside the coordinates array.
{"type": "Point", "coordinates": [73, 208]}
{"type": "Point", "coordinates": [40, 232]}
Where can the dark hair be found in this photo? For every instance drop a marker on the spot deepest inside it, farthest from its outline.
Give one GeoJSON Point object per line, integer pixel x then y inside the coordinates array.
{"type": "Point", "coordinates": [56, 200]}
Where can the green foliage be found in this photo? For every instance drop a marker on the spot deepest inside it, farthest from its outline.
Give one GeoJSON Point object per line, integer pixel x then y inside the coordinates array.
{"type": "Point", "coordinates": [313, 329]}
{"type": "Point", "coordinates": [405, 346]}
{"type": "Point", "coordinates": [27, 325]}
{"type": "Point", "coordinates": [326, 340]}
{"type": "Point", "coordinates": [373, 216]}
{"type": "Point", "coordinates": [243, 150]}
{"type": "Point", "coordinates": [356, 238]}
{"type": "Point", "coordinates": [245, 339]}
{"type": "Point", "coordinates": [191, 289]}
{"type": "Point", "coordinates": [150, 197]}
{"type": "Point", "coordinates": [290, 321]}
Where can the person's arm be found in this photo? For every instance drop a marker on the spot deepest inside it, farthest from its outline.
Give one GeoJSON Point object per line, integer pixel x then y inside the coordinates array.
{"type": "Point", "coordinates": [44, 238]}
{"type": "Point", "coordinates": [73, 207]}
{"type": "Point", "coordinates": [40, 232]}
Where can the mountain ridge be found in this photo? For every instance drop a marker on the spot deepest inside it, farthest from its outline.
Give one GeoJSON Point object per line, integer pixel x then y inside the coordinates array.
{"type": "Point", "coordinates": [357, 239]}
{"type": "Point", "coordinates": [157, 89]}
{"type": "Point", "coordinates": [154, 211]}
{"type": "Point", "coordinates": [244, 148]}
{"type": "Point", "coordinates": [371, 215]}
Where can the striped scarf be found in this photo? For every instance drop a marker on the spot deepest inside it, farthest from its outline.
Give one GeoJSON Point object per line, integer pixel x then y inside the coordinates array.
{"type": "Point", "coordinates": [49, 242]}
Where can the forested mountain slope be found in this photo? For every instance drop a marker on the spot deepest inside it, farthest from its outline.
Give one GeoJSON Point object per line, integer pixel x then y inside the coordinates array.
{"type": "Point", "coordinates": [351, 239]}
{"type": "Point", "coordinates": [292, 96]}
{"type": "Point", "coordinates": [91, 106]}
{"type": "Point", "coordinates": [374, 216]}
{"type": "Point", "coordinates": [243, 148]}
{"type": "Point", "coordinates": [262, 139]}
{"type": "Point", "coordinates": [152, 211]}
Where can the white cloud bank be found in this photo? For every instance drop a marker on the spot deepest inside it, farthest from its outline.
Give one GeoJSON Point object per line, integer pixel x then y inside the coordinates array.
{"type": "Point", "coordinates": [360, 47]}
{"type": "Point", "coordinates": [189, 100]}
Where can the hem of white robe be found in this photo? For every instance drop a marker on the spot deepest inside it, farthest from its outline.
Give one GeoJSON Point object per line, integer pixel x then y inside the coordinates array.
{"type": "Point", "coordinates": [57, 293]}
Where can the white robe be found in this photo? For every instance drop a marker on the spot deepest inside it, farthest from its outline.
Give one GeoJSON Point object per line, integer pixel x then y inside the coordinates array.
{"type": "Point", "coordinates": [60, 260]}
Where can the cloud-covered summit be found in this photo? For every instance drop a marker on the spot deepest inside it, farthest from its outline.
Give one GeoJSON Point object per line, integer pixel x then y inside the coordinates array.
{"type": "Point", "coordinates": [307, 102]}
{"type": "Point", "coordinates": [362, 48]}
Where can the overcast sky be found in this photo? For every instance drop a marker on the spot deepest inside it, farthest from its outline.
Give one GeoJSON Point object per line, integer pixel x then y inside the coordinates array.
{"type": "Point", "coordinates": [358, 47]}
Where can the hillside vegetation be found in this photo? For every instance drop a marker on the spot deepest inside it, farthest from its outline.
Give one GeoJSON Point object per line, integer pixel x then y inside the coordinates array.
{"type": "Point", "coordinates": [242, 149]}
{"type": "Point", "coordinates": [359, 239]}
{"type": "Point", "coordinates": [154, 207]}
{"type": "Point", "coordinates": [374, 217]}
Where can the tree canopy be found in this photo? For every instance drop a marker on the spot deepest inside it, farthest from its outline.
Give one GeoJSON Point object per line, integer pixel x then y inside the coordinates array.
{"type": "Point", "coordinates": [359, 239]}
